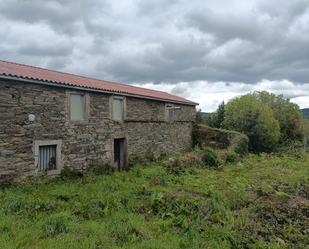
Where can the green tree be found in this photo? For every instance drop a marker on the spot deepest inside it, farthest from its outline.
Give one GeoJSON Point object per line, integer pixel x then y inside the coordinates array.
{"type": "Point", "coordinates": [216, 119]}
{"type": "Point", "coordinates": [305, 129]}
{"type": "Point", "coordinates": [220, 115]}
{"type": "Point", "coordinates": [256, 120]}
{"type": "Point", "coordinates": [199, 119]}
{"type": "Point", "coordinates": [288, 114]}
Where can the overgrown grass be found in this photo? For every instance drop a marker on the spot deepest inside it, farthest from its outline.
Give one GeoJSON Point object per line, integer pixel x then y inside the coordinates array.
{"type": "Point", "coordinates": [261, 202]}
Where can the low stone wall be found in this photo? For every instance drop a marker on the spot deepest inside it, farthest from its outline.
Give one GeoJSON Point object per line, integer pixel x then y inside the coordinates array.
{"type": "Point", "coordinates": [155, 139]}
{"type": "Point", "coordinates": [220, 138]}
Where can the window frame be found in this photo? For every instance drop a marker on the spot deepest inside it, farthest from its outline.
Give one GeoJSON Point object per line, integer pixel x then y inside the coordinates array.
{"type": "Point", "coordinates": [86, 107]}
{"type": "Point", "coordinates": [123, 98]}
{"type": "Point", "coordinates": [59, 164]}
{"type": "Point", "coordinates": [170, 108]}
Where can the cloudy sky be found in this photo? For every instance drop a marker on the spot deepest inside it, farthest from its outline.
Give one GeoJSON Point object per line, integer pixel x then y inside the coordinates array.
{"type": "Point", "coordinates": [204, 50]}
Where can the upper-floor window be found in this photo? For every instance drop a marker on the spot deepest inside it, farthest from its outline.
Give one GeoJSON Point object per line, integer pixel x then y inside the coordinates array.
{"type": "Point", "coordinates": [118, 108]}
{"type": "Point", "coordinates": [77, 107]}
{"type": "Point", "coordinates": [169, 112]}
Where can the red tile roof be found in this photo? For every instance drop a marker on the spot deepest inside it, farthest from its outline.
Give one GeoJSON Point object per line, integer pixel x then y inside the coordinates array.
{"type": "Point", "coordinates": [21, 71]}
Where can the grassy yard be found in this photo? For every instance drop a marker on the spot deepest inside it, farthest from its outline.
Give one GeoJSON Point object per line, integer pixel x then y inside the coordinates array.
{"type": "Point", "coordinates": [260, 203]}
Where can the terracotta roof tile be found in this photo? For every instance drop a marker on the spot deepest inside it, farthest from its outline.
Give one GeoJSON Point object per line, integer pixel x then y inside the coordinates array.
{"type": "Point", "coordinates": [35, 73]}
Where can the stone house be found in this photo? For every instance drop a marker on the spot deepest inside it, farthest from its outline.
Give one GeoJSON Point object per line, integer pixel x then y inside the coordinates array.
{"type": "Point", "coordinates": [50, 120]}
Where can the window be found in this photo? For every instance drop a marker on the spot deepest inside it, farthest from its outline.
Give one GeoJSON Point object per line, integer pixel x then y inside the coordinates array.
{"type": "Point", "coordinates": [47, 154]}
{"type": "Point", "coordinates": [47, 157]}
{"type": "Point", "coordinates": [169, 112]}
{"type": "Point", "coordinates": [77, 107]}
{"type": "Point", "coordinates": [118, 108]}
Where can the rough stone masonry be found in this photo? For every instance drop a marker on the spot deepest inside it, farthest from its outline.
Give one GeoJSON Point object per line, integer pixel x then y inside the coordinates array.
{"type": "Point", "coordinates": [145, 129]}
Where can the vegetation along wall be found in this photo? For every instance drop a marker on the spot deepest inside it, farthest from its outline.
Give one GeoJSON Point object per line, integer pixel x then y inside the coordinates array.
{"type": "Point", "coordinates": [220, 138]}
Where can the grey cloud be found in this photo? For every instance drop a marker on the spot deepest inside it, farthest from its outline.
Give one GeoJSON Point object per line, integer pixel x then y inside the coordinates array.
{"type": "Point", "coordinates": [157, 7]}
{"type": "Point", "coordinates": [63, 16]}
{"type": "Point", "coordinates": [225, 26]}
{"type": "Point", "coordinates": [181, 90]}
{"type": "Point", "coordinates": [265, 50]}
{"type": "Point", "coordinates": [58, 63]}
{"type": "Point", "coordinates": [288, 9]}
{"type": "Point", "coordinates": [51, 50]}
{"type": "Point", "coordinates": [161, 41]}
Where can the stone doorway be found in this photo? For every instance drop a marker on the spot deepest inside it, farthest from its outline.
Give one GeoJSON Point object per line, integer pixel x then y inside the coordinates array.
{"type": "Point", "coordinates": [120, 153]}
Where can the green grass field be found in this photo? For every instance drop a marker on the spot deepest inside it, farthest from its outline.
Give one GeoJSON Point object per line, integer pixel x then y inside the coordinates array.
{"type": "Point", "coordinates": [259, 203]}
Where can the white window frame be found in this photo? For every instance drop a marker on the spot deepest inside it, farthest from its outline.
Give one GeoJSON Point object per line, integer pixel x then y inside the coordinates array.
{"type": "Point", "coordinates": [123, 107]}
{"type": "Point", "coordinates": [59, 164]}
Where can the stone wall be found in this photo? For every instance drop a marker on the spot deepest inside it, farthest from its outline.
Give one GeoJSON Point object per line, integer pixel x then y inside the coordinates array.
{"type": "Point", "coordinates": [204, 135]}
{"type": "Point", "coordinates": [145, 129]}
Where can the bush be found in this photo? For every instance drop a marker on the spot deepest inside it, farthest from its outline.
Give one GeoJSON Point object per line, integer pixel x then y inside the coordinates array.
{"type": "Point", "coordinates": [256, 120]}
{"type": "Point", "coordinates": [101, 168]}
{"type": "Point", "coordinates": [239, 144]}
{"type": "Point", "coordinates": [96, 168]}
{"type": "Point", "coordinates": [305, 130]}
{"type": "Point", "coordinates": [180, 163]}
{"type": "Point", "coordinates": [68, 173]}
{"type": "Point", "coordinates": [231, 156]}
{"type": "Point", "coordinates": [6, 181]}
{"type": "Point", "coordinates": [211, 158]}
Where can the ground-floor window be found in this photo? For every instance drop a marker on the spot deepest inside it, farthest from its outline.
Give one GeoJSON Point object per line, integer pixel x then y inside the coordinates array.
{"type": "Point", "coordinates": [48, 156]}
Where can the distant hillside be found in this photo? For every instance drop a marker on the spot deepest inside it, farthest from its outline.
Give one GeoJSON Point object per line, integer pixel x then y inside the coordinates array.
{"type": "Point", "coordinates": [305, 112]}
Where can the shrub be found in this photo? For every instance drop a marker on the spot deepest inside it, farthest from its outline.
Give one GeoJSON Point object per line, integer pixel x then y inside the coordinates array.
{"type": "Point", "coordinates": [180, 163]}
{"type": "Point", "coordinates": [68, 173]}
{"type": "Point", "coordinates": [6, 181]}
{"type": "Point", "coordinates": [175, 166]}
{"type": "Point", "coordinates": [133, 161]}
{"type": "Point", "coordinates": [256, 120]}
{"type": "Point", "coordinates": [101, 168]}
{"type": "Point", "coordinates": [239, 143]}
{"type": "Point", "coordinates": [211, 158]}
{"type": "Point", "coordinates": [305, 130]}
{"type": "Point", "coordinates": [295, 149]}
{"type": "Point", "coordinates": [231, 156]}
